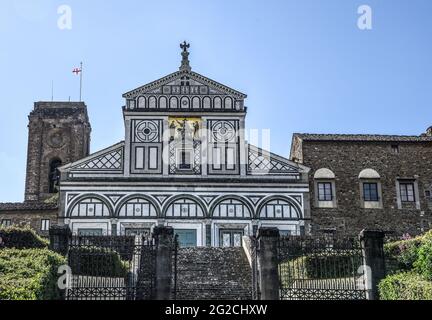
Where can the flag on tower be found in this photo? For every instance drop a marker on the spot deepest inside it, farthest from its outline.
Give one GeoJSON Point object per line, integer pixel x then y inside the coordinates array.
{"type": "Point", "coordinates": [76, 71]}
{"type": "Point", "coordinates": [79, 71]}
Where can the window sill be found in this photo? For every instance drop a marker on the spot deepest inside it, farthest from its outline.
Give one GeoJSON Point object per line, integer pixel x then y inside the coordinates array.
{"type": "Point", "coordinates": [326, 205]}
{"type": "Point", "coordinates": [372, 205]}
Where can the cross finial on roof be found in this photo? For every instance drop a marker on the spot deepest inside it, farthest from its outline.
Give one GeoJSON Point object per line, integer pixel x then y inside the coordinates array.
{"type": "Point", "coordinates": [185, 57]}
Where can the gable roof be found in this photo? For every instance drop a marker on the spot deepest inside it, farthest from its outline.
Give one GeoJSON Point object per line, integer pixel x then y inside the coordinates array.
{"type": "Point", "coordinates": [361, 137]}
{"type": "Point", "coordinates": [108, 159]}
{"type": "Point", "coordinates": [176, 75]}
{"type": "Point", "coordinates": [262, 160]}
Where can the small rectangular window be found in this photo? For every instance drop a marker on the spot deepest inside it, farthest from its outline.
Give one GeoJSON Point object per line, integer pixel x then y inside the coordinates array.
{"type": "Point", "coordinates": [407, 192]}
{"type": "Point", "coordinates": [217, 154]}
{"type": "Point", "coordinates": [45, 226]}
{"type": "Point", "coordinates": [6, 223]}
{"type": "Point", "coordinates": [428, 195]}
{"type": "Point", "coordinates": [139, 158]}
{"type": "Point", "coordinates": [230, 158]}
{"type": "Point", "coordinates": [395, 148]}
{"type": "Point", "coordinates": [325, 191]}
{"type": "Point", "coordinates": [153, 156]}
{"type": "Point", "coordinates": [370, 192]}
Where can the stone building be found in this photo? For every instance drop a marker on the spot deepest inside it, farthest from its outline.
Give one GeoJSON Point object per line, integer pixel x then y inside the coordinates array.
{"type": "Point", "coordinates": [373, 181]}
{"type": "Point", "coordinates": [185, 163]}
{"type": "Point", "coordinates": [59, 133]}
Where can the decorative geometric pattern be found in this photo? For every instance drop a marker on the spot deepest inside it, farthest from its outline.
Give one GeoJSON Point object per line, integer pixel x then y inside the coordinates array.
{"type": "Point", "coordinates": [161, 198]}
{"type": "Point", "coordinates": [223, 131]}
{"type": "Point", "coordinates": [115, 198]}
{"type": "Point", "coordinates": [110, 161]}
{"type": "Point", "coordinates": [279, 209]}
{"type": "Point", "coordinates": [147, 131]}
{"type": "Point", "coordinates": [90, 207]}
{"type": "Point", "coordinates": [231, 208]}
{"type": "Point", "coordinates": [255, 199]}
{"type": "Point", "coordinates": [262, 163]}
{"type": "Point", "coordinates": [138, 207]}
{"type": "Point", "coordinates": [184, 208]}
{"type": "Point", "coordinates": [208, 199]}
{"type": "Point", "coordinates": [197, 159]}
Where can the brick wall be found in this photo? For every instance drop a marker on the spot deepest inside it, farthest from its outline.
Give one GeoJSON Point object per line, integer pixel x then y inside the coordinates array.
{"type": "Point", "coordinates": [347, 159]}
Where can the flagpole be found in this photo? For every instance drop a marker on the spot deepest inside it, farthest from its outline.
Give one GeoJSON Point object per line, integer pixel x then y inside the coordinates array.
{"type": "Point", "coordinates": [81, 78]}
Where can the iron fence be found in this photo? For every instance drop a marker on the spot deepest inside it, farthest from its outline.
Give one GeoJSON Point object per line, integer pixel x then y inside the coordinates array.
{"type": "Point", "coordinates": [111, 268]}
{"type": "Point", "coordinates": [321, 268]}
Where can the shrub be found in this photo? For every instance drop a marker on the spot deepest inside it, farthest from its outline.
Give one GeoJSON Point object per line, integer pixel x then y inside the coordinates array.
{"type": "Point", "coordinates": [21, 238]}
{"type": "Point", "coordinates": [402, 254]}
{"type": "Point", "coordinates": [326, 265]}
{"type": "Point", "coordinates": [423, 264]}
{"type": "Point", "coordinates": [29, 274]}
{"type": "Point", "coordinates": [97, 262]}
{"type": "Point", "coordinates": [405, 286]}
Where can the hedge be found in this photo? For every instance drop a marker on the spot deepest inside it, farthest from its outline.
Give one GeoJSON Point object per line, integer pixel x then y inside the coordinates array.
{"type": "Point", "coordinates": [324, 266]}
{"type": "Point", "coordinates": [423, 264]}
{"type": "Point", "coordinates": [97, 262]}
{"type": "Point", "coordinates": [29, 274]}
{"type": "Point", "coordinates": [405, 286]}
{"type": "Point", "coordinates": [21, 238]}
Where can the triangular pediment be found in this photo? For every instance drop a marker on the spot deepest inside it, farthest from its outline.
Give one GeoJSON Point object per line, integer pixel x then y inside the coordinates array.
{"type": "Point", "coordinates": [167, 85]}
{"type": "Point", "coordinates": [109, 159]}
{"type": "Point", "coordinates": [263, 162]}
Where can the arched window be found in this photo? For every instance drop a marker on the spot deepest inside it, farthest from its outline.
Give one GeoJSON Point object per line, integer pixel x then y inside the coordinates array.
{"type": "Point", "coordinates": [325, 188]}
{"type": "Point", "coordinates": [152, 103]}
{"type": "Point", "coordinates": [137, 208]}
{"type": "Point", "coordinates": [90, 208]}
{"type": "Point", "coordinates": [54, 175]}
{"type": "Point", "coordinates": [217, 103]}
{"type": "Point", "coordinates": [196, 103]}
{"type": "Point", "coordinates": [184, 208]}
{"type": "Point", "coordinates": [163, 103]}
{"type": "Point", "coordinates": [370, 189]}
{"type": "Point", "coordinates": [207, 103]}
{"type": "Point", "coordinates": [232, 208]}
{"type": "Point", "coordinates": [228, 103]}
{"type": "Point", "coordinates": [173, 103]}
{"type": "Point", "coordinates": [185, 104]}
{"type": "Point", "coordinates": [279, 209]}
{"type": "Point", "coordinates": [141, 103]}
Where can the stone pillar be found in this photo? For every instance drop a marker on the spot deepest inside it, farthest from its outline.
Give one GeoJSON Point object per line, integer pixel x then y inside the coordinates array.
{"type": "Point", "coordinates": [164, 244]}
{"type": "Point", "coordinates": [372, 243]}
{"type": "Point", "coordinates": [208, 235]}
{"type": "Point", "coordinates": [268, 263]}
{"type": "Point", "coordinates": [59, 239]}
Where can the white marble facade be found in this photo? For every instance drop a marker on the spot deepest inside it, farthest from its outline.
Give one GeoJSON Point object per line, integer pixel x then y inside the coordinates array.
{"type": "Point", "coordinates": [185, 163]}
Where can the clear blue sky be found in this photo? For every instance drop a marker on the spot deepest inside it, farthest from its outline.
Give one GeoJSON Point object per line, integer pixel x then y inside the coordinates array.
{"type": "Point", "coordinates": [304, 64]}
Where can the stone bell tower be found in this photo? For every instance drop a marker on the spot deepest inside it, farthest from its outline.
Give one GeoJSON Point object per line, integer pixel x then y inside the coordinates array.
{"type": "Point", "coordinates": [59, 133]}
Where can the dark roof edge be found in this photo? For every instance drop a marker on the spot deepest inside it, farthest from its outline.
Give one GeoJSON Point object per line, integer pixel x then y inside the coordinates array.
{"type": "Point", "coordinates": [28, 206]}
{"type": "Point", "coordinates": [362, 137]}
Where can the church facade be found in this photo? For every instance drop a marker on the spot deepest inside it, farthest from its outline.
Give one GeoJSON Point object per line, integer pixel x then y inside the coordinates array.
{"type": "Point", "coordinates": [185, 163]}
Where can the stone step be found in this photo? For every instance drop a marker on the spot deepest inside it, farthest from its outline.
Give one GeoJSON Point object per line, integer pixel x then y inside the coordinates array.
{"type": "Point", "coordinates": [213, 273]}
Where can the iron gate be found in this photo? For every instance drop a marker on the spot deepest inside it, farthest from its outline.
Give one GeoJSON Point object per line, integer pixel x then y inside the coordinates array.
{"type": "Point", "coordinates": [111, 268]}
{"type": "Point", "coordinates": [321, 269]}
